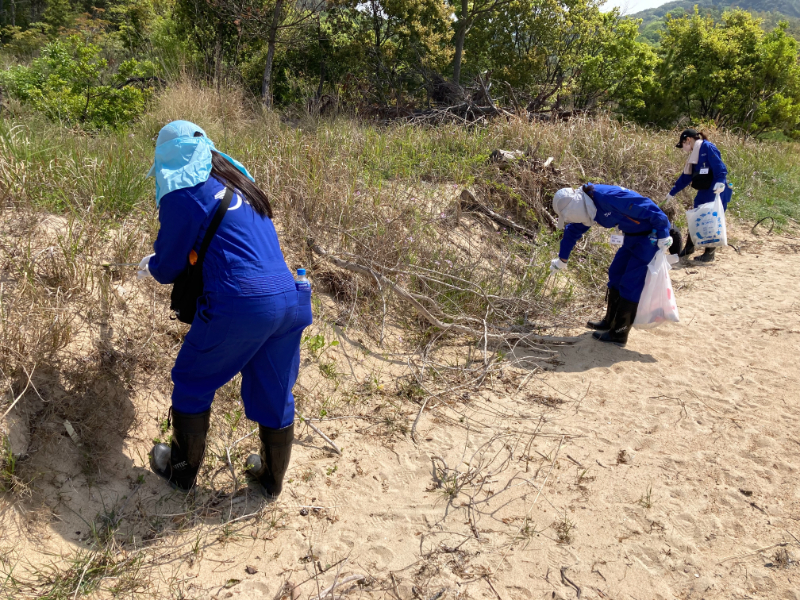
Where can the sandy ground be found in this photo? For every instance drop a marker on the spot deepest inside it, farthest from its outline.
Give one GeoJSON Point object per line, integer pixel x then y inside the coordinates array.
{"type": "Point", "coordinates": [663, 470]}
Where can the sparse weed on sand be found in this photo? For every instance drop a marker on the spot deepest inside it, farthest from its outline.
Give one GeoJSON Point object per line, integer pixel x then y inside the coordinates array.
{"type": "Point", "coordinates": [646, 501]}
{"type": "Point", "coordinates": [564, 528]}
{"type": "Point", "coordinates": [9, 480]}
{"type": "Point", "coordinates": [83, 573]}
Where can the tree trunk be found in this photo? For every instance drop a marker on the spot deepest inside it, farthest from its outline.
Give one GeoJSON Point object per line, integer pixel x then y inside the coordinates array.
{"type": "Point", "coordinates": [321, 85]}
{"type": "Point", "coordinates": [218, 61]}
{"type": "Point", "coordinates": [377, 22]}
{"type": "Point", "coordinates": [266, 82]}
{"type": "Point", "coordinates": [321, 60]}
{"type": "Point", "coordinates": [461, 36]}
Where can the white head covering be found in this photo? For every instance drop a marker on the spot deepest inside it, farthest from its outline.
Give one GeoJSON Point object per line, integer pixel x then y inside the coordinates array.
{"type": "Point", "coordinates": [573, 206]}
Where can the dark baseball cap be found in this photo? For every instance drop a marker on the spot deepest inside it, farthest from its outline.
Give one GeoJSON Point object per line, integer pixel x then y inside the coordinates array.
{"type": "Point", "coordinates": [687, 133]}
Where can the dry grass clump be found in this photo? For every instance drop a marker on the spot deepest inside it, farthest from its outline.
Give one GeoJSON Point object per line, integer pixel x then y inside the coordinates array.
{"type": "Point", "coordinates": [69, 350]}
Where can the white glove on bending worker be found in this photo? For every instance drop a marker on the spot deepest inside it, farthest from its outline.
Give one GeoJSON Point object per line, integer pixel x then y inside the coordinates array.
{"type": "Point", "coordinates": [664, 243]}
{"type": "Point", "coordinates": [668, 199]}
{"type": "Point", "coordinates": [144, 267]}
{"type": "Point", "coordinates": [557, 265]}
{"type": "Point", "coordinates": [719, 188]}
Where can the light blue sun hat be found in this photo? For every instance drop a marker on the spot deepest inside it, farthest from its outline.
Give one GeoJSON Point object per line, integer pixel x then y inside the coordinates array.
{"type": "Point", "coordinates": [183, 158]}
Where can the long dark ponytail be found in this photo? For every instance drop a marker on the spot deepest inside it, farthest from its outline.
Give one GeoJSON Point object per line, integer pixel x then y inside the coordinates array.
{"type": "Point", "coordinates": [226, 173]}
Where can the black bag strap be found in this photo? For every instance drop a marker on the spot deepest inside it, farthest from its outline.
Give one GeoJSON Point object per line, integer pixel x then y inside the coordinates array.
{"type": "Point", "coordinates": [214, 225]}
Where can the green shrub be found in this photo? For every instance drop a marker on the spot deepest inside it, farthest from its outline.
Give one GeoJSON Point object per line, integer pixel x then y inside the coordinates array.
{"type": "Point", "coordinates": [70, 82]}
{"type": "Point", "coordinates": [23, 44]}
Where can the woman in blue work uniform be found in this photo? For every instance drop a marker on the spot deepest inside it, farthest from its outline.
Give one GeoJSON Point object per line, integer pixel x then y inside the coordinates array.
{"type": "Point", "coordinates": [249, 319]}
{"type": "Point", "coordinates": [705, 172]}
{"type": "Point", "coordinates": [646, 231]}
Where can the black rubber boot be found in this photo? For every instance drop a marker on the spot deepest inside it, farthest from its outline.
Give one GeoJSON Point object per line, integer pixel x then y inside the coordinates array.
{"type": "Point", "coordinates": [688, 248]}
{"type": "Point", "coordinates": [677, 241]}
{"type": "Point", "coordinates": [706, 257]}
{"type": "Point", "coordinates": [270, 465]}
{"type": "Point", "coordinates": [622, 324]}
{"type": "Point", "coordinates": [180, 462]}
{"type": "Point", "coordinates": [611, 308]}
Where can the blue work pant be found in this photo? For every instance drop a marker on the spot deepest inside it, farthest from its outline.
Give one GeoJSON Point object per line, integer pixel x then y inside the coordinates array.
{"type": "Point", "coordinates": [628, 270]}
{"type": "Point", "coordinates": [257, 336]}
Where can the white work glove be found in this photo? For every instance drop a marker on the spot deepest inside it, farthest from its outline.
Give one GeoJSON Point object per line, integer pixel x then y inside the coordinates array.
{"type": "Point", "coordinates": [557, 265]}
{"type": "Point", "coordinates": [669, 198]}
{"type": "Point", "coordinates": [664, 243]}
{"type": "Point", "coordinates": [144, 267]}
{"type": "Point", "coordinates": [719, 188]}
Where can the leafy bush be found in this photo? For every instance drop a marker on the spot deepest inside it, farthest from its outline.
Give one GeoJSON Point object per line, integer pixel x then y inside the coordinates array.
{"type": "Point", "coordinates": [21, 43]}
{"type": "Point", "coordinates": [727, 72]}
{"type": "Point", "coordinates": [70, 82]}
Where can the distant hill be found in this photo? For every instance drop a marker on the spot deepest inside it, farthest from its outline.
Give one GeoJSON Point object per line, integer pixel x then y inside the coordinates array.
{"type": "Point", "coordinates": [788, 8]}
{"type": "Point", "coordinates": [771, 11]}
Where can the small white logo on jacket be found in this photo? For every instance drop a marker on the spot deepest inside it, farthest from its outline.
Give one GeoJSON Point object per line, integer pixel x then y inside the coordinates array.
{"type": "Point", "coordinates": [237, 203]}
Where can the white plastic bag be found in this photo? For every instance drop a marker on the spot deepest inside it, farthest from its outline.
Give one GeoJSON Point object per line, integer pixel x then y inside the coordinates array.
{"type": "Point", "coordinates": [657, 304]}
{"type": "Point", "coordinates": [707, 224]}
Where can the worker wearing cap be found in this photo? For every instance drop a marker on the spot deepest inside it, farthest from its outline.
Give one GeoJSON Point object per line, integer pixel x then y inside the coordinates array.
{"type": "Point", "coordinates": [251, 315]}
{"type": "Point", "coordinates": [646, 231]}
{"type": "Point", "coordinates": [705, 172]}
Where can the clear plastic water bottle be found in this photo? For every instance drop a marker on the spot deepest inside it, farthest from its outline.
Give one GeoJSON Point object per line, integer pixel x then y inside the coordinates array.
{"type": "Point", "coordinates": [301, 281]}
{"type": "Point", "coordinates": [653, 238]}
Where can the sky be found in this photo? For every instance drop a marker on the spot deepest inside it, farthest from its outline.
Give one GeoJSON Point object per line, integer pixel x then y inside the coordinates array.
{"type": "Point", "coordinates": [632, 6]}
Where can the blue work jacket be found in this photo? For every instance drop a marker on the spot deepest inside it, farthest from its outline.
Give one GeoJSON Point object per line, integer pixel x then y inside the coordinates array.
{"type": "Point", "coordinates": [244, 257]}
{"type": "Point", "coordinates": [709, 158]}
{"type": "Point", "coordinates": [618, 207]}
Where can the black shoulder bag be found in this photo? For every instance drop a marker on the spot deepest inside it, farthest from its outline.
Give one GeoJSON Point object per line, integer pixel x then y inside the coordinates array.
{"type": "Point", "coordinates": [188, 287]}
{"type": "Point", "coordinates": [703, 181]}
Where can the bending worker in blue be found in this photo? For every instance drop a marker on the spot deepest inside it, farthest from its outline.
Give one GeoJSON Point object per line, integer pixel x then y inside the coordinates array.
{"type": "Point", "coordinates": [250, 317]}
{"type": "Point", "coordinates": [646, 230]}
{"type": "Point", "coordinates": [705, 172]}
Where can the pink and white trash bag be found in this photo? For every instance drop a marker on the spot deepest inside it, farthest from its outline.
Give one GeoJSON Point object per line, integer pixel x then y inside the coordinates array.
{"type": "Point", "coordinates": [657, 304]}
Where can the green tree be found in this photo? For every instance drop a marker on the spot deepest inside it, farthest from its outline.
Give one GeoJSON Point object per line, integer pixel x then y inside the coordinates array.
{"type": "Point", "coordinates": [732, 73]}
{"type": "Point", "coordinates": [615, 67]}
{"type": "Point", "coordinates": [466, 13]}
{"type": "Point", "coordinates": [564, 54]}
{"type": "Point", "coordinates": [71, 83]}
{"type": "Point", "coordinates": [534, 45]}
{"type": "Point", "coordinates": [401, 40]}
{"type": "Point", "coordinates": [57, 15]}
{"type": "Point", "coordinates": [133, 19]}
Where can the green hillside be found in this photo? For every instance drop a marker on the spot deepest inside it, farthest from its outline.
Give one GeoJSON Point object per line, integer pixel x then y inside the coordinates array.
{"type": "Point", "coordinates": [788, 8]}
{"type": "Point", "coordinates": [771, 12]}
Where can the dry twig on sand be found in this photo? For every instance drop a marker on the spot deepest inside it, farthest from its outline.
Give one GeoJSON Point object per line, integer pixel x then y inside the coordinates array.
{"type": "Point", "coordinates": [567, 581]}
{"type": "Point", "coordinates": [319, 433]}
{"type": "Point", "coordinates": [469, 203]}
{"type": "Point", "coordinates": [328, 592]}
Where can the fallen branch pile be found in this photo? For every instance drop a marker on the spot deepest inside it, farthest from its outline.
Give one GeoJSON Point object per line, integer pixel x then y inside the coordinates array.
{"type": "Point", "coordinates": [470, 204]}
{"type": "Point", "coordinates": [523, 185]}
{"type": "Point", "coordinates": [438, 319]}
